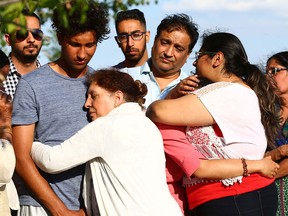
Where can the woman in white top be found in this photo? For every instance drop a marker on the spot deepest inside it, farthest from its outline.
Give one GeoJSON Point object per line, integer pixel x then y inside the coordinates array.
{"type": "Point", "coordinates": [126, 168]}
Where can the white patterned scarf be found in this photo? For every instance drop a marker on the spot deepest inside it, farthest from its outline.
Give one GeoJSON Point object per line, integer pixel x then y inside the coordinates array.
{"type": "Point", "coordinates": [211, 147]}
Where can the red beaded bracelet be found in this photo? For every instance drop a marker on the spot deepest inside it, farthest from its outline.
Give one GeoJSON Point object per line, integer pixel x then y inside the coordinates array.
{"type": "Point", "coordinates": [245, 170]}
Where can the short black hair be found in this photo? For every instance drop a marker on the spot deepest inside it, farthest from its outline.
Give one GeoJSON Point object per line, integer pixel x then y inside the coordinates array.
{"type": "Point", "coordinates": [134, 14]}
{"type": "Point", "coordinates": [3, 59]}
{"type": "Point", "coordinates": [179, 22]}
{"type": "Point", "coordinates": [96, 18]}
{"type": "Point", "coordinates": [27, 12]}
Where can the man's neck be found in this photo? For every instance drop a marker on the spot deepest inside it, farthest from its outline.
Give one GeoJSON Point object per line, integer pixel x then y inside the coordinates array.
{"type": "Point", "coordinates": [65, 70]}
{"type": "Point", "coordinates": [164, 79]}
{"type": "Point", "coordinates": [24, 67]}
{"type": "Point", "coordinates": [130, 64]}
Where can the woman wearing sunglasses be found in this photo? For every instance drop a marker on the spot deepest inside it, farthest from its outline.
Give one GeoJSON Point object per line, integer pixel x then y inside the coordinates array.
{"type": "Point", "coordinates": [277, 73]}
{"type": "Point", "coordinates": [234, 117]}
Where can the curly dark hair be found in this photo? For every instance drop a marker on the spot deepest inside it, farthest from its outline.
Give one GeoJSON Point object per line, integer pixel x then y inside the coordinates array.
{"type": "Point", "coordinates": [114, 80]}
{"type": "Point", "coordinates": [81, 16]}
{"type": "Point", "coordinates": [236, 62]}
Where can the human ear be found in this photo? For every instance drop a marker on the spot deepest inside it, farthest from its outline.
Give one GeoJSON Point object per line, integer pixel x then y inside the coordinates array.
{"type": "Point", "coordinates": [8, 39]}
{"type": "Point", "coordinates": [147, 35]}
{"type": "Point", "coordinates": [218, 59]}
{"type": "Point", "coordinates": [119, 98]}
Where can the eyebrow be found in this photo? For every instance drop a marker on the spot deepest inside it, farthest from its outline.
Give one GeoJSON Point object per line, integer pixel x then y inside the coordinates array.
{"type": "Point", "coordinates": [135, 31]}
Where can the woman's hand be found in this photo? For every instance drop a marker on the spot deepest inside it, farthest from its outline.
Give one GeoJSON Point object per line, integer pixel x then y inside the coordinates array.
{"type": "Point", "coordinates": [185, 87]}
{"type": "Point", "coordinates": [283, 150]}
{"type": "Point", "coordinates": [269, 168]}
{"type": "Point", "coordinates": [278, 153]}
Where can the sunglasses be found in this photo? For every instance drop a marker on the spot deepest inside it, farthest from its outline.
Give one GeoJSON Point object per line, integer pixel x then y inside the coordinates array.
{"type": "Point", "coordinates": [21, 35]}
{"type": "Point", "coordinates": [273, 70]}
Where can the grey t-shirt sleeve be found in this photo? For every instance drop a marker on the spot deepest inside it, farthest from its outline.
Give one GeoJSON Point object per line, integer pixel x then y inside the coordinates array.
{"type": "Point", "coordinates": [24, 106]}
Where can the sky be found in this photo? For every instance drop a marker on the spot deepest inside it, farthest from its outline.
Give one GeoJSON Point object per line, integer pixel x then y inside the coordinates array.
{"type": "Point", "coordinates": [261, 25]}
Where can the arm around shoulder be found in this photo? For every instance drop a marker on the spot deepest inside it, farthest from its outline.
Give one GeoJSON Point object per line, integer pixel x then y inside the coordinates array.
{"type": "Point", "coordinates": [186, 111]}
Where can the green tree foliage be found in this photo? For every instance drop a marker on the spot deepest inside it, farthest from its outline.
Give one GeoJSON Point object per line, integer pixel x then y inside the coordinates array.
{"type": "Point", "coordinates": [11, 9]}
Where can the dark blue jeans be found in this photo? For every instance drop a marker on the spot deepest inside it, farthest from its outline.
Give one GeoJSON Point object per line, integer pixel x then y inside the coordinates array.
{"type": "Point", "coordinates": [262, 202]}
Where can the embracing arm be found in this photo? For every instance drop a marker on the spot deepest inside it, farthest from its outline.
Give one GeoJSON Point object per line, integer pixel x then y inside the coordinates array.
{"type": "Point", "coordinates": [73, 152]}
{"type": "Point", "coordinates": [186, 156]}
{"type": "Point", "coordinates": [191, 109]}
{"type": "Point", "coordinates": [26, 169]}
{"type": "Point", "coordinates": [279, 153]}
{"type": "Point", "coordinates": [283, 171]}
{"type": "Point", "coordinates": [227, 168]}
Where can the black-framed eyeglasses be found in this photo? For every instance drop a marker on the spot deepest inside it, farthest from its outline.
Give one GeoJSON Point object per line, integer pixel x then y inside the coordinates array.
{"type": "Point", "coordinates": [122, 38]}
{"type": "Point", "coordinates": [274, 70]}
{"type": "Point", "coordinates": [200, 53]}
{"type": "Point", "coordinates": [22, 34]}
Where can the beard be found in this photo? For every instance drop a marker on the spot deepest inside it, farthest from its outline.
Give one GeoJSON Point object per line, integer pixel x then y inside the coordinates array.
{"type": "Point", "coordinates": [136, 58]}
{"type": "Point", "coordinates": [30, 58]}
{"type": "Point", "coordinates": [25, 55]}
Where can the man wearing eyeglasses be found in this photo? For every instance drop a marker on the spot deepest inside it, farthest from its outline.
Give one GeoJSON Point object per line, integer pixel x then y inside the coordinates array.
{"type": "Point", "coordinates": [25, 45]}
{"type": "Point", "coordinates": [132, 37]}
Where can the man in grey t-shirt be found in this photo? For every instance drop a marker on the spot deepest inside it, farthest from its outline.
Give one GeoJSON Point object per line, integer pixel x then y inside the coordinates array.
{"type": "Point", "coordinates": [48, 106]}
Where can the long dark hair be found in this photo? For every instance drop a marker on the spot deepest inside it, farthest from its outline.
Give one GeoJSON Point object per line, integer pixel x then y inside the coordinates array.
{"type": "Point", "coordinates": [113, 80]}
{"type": "Point", "coordinates": [236, 62]}
{"type": "Point", "coordinates": [281, 58]}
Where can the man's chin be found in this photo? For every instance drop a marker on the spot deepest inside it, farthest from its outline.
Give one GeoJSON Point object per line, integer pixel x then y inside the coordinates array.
{"type": "Point", "coordinates": [133, 58]}
{"type": "Point", "coordinates": [31, 56]}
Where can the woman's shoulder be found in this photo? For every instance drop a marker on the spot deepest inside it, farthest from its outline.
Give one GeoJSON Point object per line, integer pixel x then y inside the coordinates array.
{"type": "Point", "coordinates": [223, 88]}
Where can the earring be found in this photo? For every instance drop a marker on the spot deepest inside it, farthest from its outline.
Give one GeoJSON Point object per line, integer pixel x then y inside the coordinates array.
{"type": "Point", "coordinates": [116, 105]}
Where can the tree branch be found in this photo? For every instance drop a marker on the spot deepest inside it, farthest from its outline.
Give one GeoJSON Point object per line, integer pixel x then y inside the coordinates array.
{"type": "Point", "coordinates": [6, 2]}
